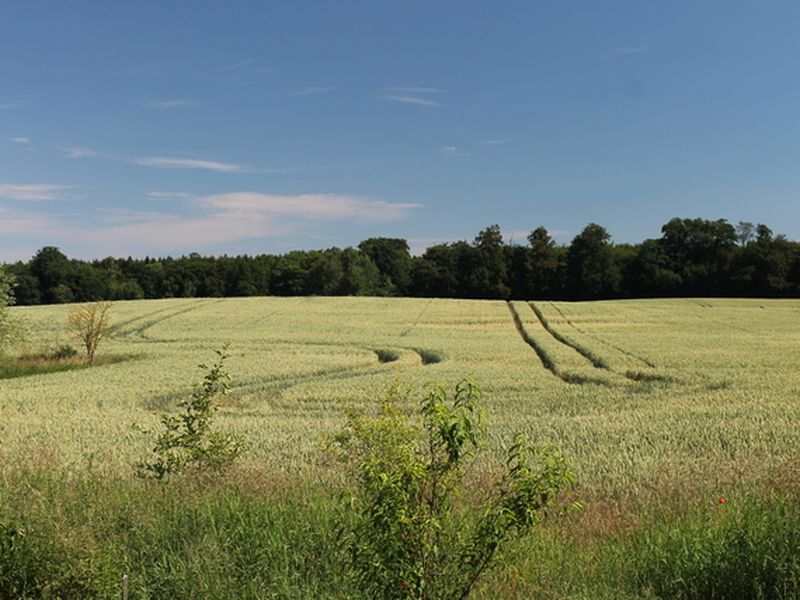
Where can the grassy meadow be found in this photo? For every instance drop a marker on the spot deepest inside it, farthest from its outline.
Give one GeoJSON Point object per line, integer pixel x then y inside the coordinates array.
{"type": "Point", "coordinates": [661, 407]}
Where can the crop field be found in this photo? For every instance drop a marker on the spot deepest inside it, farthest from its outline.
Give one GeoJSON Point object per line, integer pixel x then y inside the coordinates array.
{"type": "Point", "coordinates": [628, 390]}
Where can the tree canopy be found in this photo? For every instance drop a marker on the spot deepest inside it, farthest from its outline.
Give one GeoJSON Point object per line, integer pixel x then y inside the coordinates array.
{"type": "Point", "coordinates": [693, 257]}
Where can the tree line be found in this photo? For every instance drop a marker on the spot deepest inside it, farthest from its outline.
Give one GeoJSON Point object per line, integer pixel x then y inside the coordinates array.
{"type": "Point", "coordinates": [693, 257]}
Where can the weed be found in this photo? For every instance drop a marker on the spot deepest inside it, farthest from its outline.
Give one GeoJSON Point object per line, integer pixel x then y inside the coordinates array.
{"type": "Point", "coordinates": [410, 539]}
{"type": "Point", "coordinates": [188, 439]}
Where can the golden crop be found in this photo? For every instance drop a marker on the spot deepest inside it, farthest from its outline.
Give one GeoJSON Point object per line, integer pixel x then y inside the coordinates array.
{"type": "Point", "coordinates": [634, 387]}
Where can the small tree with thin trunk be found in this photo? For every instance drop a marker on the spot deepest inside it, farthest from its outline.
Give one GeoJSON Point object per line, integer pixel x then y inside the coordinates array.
{"type": "Point", "coordinates": [89, 323]}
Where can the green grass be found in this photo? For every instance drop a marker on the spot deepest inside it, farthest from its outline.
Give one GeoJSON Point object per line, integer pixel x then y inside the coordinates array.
{"type": "Point", "coordinates": [260, 536]}
{"type": "Point", "coordinates": [27, 366]}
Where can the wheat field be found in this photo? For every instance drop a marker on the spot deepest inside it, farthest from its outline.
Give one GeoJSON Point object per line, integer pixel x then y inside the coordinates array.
{"type": "Point", "coordinates": [626, 389]}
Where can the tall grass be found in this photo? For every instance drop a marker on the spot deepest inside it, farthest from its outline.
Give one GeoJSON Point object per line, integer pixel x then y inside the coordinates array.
{"type": "Point", "coordinates": [75, 536]}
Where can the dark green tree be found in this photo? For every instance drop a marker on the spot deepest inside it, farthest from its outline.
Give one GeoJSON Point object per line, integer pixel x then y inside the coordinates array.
{"type": "Point", "coordinates": [701, 252]}
{"type": "Point", "coordinates": [53, 270]}
{"type": "Point", "coordinates": [545, 263]}
{"type": "Point", "coordinates": [486, 275]}
{"type": "Point", "coordinates": [591, 268]}
{"type": "Point", "coordinates": [393, 259]}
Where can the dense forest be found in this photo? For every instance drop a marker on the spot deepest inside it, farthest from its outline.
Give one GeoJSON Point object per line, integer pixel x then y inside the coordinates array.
{"type": "Point", "coordinates": [693, 257]}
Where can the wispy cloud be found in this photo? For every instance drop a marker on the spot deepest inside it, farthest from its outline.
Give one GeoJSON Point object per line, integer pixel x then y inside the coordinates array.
{"type": "Point", "coordinates": [314, 90]}
{"type": "Point", "coordinates": [494, 142]}
{"type": "Point", "coordinates": [32, 191]}
{"type": "Point", "coordinates": [238, 65]}
{"type": "Point", "coordinates": [169, 103]}
{"type": "Point", "coordinates": [75, 152]}
{"type": "Point", "coordinates": [244, 72]}
{"type": "Point", "coordinates": [626, 50]}
{"type": "Point", "coordinates": [453, 151]}
{"type": "Point", "coordinates": [411, 95]}
{"type": "Point", "coordinates": [169, 195]}
{"type": "Point", "coordinates": [20, 140]}
{"type": "Point", "coordinates": [165, 162]}
{"type": "Point", "coordinates": [415, 90]}
{"type": "Point", "coordinates": [411, 100]}
{"type": "Point", "coordinates": [187, 163]}
{"type": "Point", "coordinates": [9, 105]}
{"type": "Point", "coordinates": [308, 206]}
{"type": "Point", "coordinates": [216, 219]}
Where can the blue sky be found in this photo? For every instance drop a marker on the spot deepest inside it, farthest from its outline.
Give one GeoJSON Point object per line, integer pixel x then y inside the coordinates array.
{"type": "Point", "coordinates": [155, 128]}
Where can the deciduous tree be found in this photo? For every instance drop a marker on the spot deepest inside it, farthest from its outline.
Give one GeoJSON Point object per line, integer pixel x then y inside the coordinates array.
{"type": "Point", "coordinates": [89, 323]}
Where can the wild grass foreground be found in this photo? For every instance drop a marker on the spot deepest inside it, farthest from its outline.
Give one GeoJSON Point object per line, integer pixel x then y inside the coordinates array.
{"type": "Point", "coordinates": [255, 534]}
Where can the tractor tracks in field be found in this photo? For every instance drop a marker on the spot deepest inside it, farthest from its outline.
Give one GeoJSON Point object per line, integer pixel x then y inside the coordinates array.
{"type": "Point", "coordinates": [590, 357]}
{"type": "Point", "coordinates": [273, 313]}
{"type": "Point", "coordinates": [418, 319]}
{"type": "Point", "coordinates": [540, 352]}
{"type": "Point", "coordinates": [140, 329]}
{"type": "Point", "coordinates": [597, 361]}
{"type": "Point", "coordinates": [641, 359]}
{"type": "Point", "coordinates": [547, 362]}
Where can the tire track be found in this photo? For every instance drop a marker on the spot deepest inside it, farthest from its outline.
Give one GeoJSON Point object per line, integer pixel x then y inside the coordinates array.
{"type": "Point", "coordinates": [597, 361]}
{"type": "Point", "coordinates": [603, 341]}
{"type": "Point", "coordinates": [417, 320]}
{"type": "Point", "coordinates": [282, 309]}
{"type": "Point", "coordinates": [145, 326]}
{"type": "Point", "coordinates": [546, 361]}
{"type": "Point", "coordinates": [122, 324]}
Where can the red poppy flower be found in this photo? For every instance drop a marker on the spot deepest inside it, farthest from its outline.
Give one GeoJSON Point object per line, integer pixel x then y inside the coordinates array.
{"type": "Point", "coordinates": [723, 500]}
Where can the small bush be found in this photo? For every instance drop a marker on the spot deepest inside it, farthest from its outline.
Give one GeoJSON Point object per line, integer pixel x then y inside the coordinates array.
{"type": "Point", "coordinates": [63, 352]}
{"type": "Point", "coordinates": [188, 440]}
{"type": "Point", "coordinates": [386, 356]}
{"type": "Point", "coordinates": [405, 534]}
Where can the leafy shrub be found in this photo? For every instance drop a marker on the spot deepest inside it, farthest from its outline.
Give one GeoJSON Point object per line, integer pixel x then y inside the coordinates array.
{"type": "Point", "coordinates": [386, 356]}
{"type": "Point", "coordinates": [63, 352]}
{"type": "Point", "coordinates": [405, 534]}
{"type": "Point", "coordinates": [188, 439]}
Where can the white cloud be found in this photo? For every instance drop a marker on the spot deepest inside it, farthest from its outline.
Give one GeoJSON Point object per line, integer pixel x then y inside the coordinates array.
{"type": "Point", "coordinates": [36, 191]}
{"type": "Point", "coordinates": [314, 90]}
{"type": "Point", "coordinates": [169, 103]}
{"type": "Point", "coordinates": [229, 218]}
{"type": "Point", "coordinates": [411, 100]}
{"type": "Point", "coordinates": [20, 140]}
{"type": "Point", "coordinates": [494, 142]}
{"type": "Point", "coordinates": [8, 105]}
{"type": "Point", "coordinates": [187, 163]}
{"type": "Point", "coordinates": [308, 206]}
{"type": "Point", "coordinates": [211, 220]}
{"type": "Point", "coordinates": [169, 195]}
{"type": "Point", "coordinates": [73, 152]}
